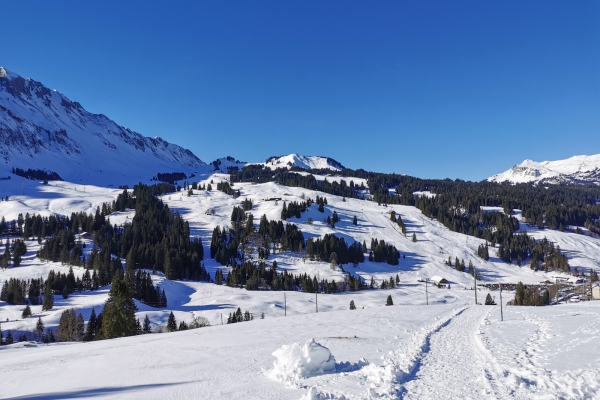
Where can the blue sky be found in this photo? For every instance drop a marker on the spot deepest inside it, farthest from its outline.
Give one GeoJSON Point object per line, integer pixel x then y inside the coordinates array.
{"type": "Point", "coordinates": [433, 89]}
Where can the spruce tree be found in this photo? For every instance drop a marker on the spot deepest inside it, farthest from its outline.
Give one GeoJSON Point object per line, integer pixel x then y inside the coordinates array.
{"type": "Point", "coordinates": [118, 317]}
{"type": "Point", "coordinates": [171, 323]}
{"type": "Point", "coordinates": [79, 332]}
{"type": "Point", "coordinates": [39, 327]}
{"type": "Point", "coordinates": [26, 312]}
{"type": "Point", "coordinates": [352, 306]}
{"type": "Point", "coordinates": [355, 221]}
{"type": "Point", "coordinates": [48, 298]}
{"type": "Point", "coordinates": [414, 237]}
{"type": "Point", "coordinates": [90, 331]}
{"type": "Point", "coordinates": [489, 301]}
{"type": "Point", "coordinates": [389, 301]}
{"type": "Point", "coordinates": [146, 328]}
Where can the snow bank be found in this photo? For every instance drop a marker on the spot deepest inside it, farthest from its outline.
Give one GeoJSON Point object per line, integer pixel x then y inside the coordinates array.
{"type": "Point", "coordinates": [297, 361]}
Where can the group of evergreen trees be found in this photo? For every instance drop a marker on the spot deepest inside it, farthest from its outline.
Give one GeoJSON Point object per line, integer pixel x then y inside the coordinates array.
{"type": "Point", "coordinates": [38, 174]}
{"type": "Point", "coordinates": [238, 316]}
{"type": "Point", "coordinates": [295, 209]}
{"type": "Point", "coordinates": [330, 248]}
{"type": "Point", "coordinates": [382, 252]}
{"type": "Point", "coordinates": [12, 252]}
{"type": "Point", "coordinates": [157, 239]}
{"type": "Point", "coordinates": [526, 296]}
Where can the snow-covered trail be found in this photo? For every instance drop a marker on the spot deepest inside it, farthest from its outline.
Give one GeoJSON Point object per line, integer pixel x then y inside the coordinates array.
{"type": "Point", "coordinates": [453, 366]}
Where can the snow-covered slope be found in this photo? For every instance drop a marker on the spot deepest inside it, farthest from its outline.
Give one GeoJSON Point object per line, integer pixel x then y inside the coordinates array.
{"type": "Point", "coordinates": [42, 129]}
{"type": "Point", "coordinates": [401, 351]}
{"type": "Point", "coordinates": [306, 162]}
{"type": "Point", "coordinates": [574, 170]}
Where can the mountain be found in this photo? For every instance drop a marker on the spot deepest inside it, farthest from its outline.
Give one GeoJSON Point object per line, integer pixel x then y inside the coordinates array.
{"type": "Point", "coordinates": [571, 171]}
{"type": "Point", "coordinates": [41, 128]}
{"type": "Point", "coordinates": [305, 162]}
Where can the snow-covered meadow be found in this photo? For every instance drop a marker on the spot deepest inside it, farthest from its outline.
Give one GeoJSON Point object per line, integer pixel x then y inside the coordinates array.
{"type": "Point", "coordinates": [432, 342]}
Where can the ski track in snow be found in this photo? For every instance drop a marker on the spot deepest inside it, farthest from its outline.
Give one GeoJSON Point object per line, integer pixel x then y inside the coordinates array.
{"type": "Point", "coordinates": [452, 362]}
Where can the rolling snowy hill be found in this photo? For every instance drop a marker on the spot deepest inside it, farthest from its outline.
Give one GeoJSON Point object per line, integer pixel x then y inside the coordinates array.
{"type": "Point", "coordinates": [42, 129]}
{"type": "Point", "coordinates": [372, 352]}
{"type": "Point", "coordinates": [574, 170]}
{"type": "Point", "coordinates": [305, 162]}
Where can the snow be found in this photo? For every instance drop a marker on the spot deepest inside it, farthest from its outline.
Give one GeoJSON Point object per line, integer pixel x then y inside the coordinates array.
{"type": "Point", "coordinates": [575, 169]}
{"type": "Point", "coordinates": [306, 162]}
{"type": "Point", "coordinates": [297, 361]}
{"type": "Point", "coordinates": [408, 350]}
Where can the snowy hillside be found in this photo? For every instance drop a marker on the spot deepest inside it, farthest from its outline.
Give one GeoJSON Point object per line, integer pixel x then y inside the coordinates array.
{"type": "Point", "coordinates": [574, 170]}
{"type": "Point", "coordinates": [41, 128]}
{"type": "Point", "coordinates": [306, 162]}
{"type": "Point", "coordinates": [432, 340]}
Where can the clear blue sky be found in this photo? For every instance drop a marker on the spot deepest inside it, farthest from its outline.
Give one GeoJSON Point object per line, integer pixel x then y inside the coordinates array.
{"type": "Point", "coordinates": [430, 89]}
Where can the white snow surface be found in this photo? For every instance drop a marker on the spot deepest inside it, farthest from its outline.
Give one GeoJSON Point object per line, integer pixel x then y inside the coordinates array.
{"type": "Point", "coordinates": [306, 162]}
{"type": "Point", "coordinates": [298, 360]}
{"type": "Point", "coordinates": [577, 169]}
{"type": "Point", "coordinates": [425, 345]}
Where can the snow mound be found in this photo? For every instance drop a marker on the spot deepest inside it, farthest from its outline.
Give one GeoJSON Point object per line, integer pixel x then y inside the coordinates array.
{"type": "Point", "coordinates": [2, 72]}
{"type": "Point", "coordinates": [297, 361]}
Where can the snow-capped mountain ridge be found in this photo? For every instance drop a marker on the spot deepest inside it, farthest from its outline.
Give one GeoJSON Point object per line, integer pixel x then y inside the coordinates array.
{"type": "Point", "coordinates": [42, 128]}
{"type": "Point", "coordinates": [305, 162]}
{"type": "Point", "coordinates": [575, 170]}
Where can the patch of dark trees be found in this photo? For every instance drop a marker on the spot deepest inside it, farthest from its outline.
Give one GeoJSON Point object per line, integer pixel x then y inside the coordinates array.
{"type": "Point", "coordinates": [37, 174]}
{"type": "Point", "coordinates": [170, 177]}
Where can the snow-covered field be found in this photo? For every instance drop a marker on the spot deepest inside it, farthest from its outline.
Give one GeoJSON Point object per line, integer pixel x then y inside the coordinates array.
{"type": "Point", "coordinates": [448, 348]}
{"type": "Point", "coordinates": [414, 352]}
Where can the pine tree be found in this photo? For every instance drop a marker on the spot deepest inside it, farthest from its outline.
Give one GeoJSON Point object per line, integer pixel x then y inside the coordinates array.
{"type": "Point", "coordinates": [352, 306]}
{"type": "Point", "coordinates": [39, 327]}
{"type": "Point", "coordinates": [355, 221]}
{"type": "Point", "coordinates": [26, 312]}
{"type": "Point", "coordinates": [48, 298]}
{"type": "Point", "coordinates": [489, 301]}
{"type": "Point", "coordinates": [91, 327]}
{"type": "Point", "coordinates": [118, 317]}
{"type": "Point", "coordinates": [146, 328]}
{"type": "Point", "coordinates": [389, 301]}
{"type": "Point", "coordinates": [414, 237]}
{"type": "Point", "coordinates": [79, 332]}
{"type": "Point", "coordinates": [171, 323]}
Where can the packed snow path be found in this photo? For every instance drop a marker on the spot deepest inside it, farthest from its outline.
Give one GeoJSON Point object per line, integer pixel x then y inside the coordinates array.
{"type": "Point", "coordinates": [454, 363]}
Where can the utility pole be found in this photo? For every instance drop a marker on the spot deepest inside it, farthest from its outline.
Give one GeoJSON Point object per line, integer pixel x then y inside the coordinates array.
{"type": "Point", "coordinates": [501, 313]}
{"type": "Point", "coordinates": [316, 292]}
{"type": "Point", "coordinates": [475, 280]}
{"type": "Point", "coordinates": [284, 305]}
{"type": "Point", "coordinates": [426, 293]}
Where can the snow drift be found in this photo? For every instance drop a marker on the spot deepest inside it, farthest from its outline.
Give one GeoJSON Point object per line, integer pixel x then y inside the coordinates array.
{"type": "Point", "coordinates": [297, 361]}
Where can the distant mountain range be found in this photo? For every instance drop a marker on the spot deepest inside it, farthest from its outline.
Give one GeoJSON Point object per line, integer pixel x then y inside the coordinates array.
{"type": "Point", "coordinates": [572, 171]}
{"type": "Point", "coordinates": [41, 129]}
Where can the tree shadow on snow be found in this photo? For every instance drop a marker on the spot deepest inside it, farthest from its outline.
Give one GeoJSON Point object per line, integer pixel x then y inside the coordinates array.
{"type": "Point", "coordinates": [87, 393]}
